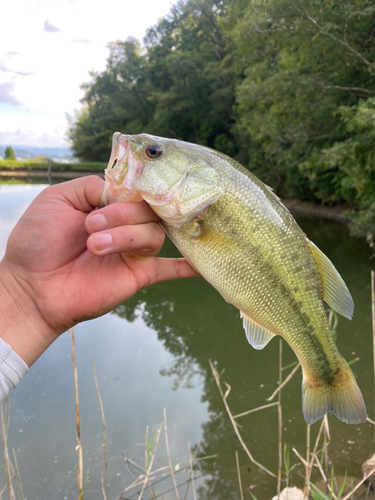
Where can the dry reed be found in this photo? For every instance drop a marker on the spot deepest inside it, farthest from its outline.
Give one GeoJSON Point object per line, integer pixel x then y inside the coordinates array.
{"type": "Point", "coordinates": [239, 475]}
{"type": "Point", "coordinates": [105, 488]}
{"type": "Point", "coordinates": [373, 328]}
{"type": "Point", "coordinates": [192, 472]}
{"type": "Point", "coordinates": [168, 455]}
{"type": "Point", "coordinates": [79, 469]}
{"type": "Point", "coordinates": [151, 461]}
{"type": "Point", "coordinates": [233, 422]}
{"type": "Point", "coordinates": [8, 468]}
{"type": "Point", "coordinates": [280, 420]}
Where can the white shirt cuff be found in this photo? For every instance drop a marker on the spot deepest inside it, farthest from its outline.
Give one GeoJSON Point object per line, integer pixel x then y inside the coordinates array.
{"type": "Point", "coordinates": [12, 369]}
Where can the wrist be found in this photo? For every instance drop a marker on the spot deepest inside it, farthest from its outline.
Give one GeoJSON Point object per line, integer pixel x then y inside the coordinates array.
{"type": "Point", "coordinates": [21, 324]}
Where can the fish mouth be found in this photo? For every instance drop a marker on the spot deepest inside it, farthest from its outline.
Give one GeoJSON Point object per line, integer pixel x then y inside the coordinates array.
{"type": "Point", "coordinates": [117, 186]}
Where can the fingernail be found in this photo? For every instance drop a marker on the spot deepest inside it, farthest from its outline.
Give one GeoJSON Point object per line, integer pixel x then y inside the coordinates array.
{"type": "Point", "coordinates": [101, 241]}
{"type": "Point", "coordinates": [97, 222]}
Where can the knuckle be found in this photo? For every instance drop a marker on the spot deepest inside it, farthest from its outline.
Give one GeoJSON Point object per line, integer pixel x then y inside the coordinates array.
{"type": "Point", "coordinates": [125, 213]}
{"type": "Point", "coordinates": [127, 236]}
{"type": "Point", "coordinates": [158, 235]}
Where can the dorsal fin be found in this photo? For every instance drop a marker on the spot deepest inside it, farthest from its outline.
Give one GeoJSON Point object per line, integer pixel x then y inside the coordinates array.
{"type": "Point", "coordinates": [335, 292]}
{"type": "Point", "coordinates": [256, 335]}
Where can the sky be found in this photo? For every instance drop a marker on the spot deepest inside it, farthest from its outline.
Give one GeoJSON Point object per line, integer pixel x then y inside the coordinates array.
{"type": "Point", "coordinates": [47, 48]}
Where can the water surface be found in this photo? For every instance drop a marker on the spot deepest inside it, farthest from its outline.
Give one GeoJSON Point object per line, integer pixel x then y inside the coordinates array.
{"type": "Point", "coordinates": [153, 352]}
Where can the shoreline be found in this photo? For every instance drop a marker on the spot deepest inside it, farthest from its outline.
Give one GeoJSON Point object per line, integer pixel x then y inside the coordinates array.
{"type": "Point", "coordinates": [33, 174]}
{"type": "Point", "coordinates": [309, 209]}
{"type": "Point", "coordinates": [296, 207]}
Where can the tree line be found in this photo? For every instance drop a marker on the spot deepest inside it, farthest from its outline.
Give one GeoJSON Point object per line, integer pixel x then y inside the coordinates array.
{"type": "Point", "coordinates": [287, 87]}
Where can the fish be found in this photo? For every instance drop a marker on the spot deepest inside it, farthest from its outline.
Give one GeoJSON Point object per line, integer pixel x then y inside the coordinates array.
{"type": "Point", "coordinates": [238, 235]}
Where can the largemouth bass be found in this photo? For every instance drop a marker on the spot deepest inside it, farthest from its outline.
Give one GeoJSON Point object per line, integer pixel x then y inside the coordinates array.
{"type": "Point", "coordinates": [239, 236]}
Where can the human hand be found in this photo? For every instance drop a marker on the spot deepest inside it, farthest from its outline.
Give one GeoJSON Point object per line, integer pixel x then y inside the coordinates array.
{"type": "Point", "coordinates": [57, 272]}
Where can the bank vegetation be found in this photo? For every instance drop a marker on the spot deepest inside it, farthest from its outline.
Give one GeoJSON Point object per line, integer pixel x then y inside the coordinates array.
{"type": "Point", "coordinates": [287, 87]}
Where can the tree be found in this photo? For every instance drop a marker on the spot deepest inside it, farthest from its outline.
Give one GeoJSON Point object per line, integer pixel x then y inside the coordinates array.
{"type": "Point", "coordinates": [305, 103]}
{"type": "Point", "coordinates": [287, 87]}
{"type": "Point", "coordinates": [177, 85]}
{"type": "Point", "coordinates": [9, 153]}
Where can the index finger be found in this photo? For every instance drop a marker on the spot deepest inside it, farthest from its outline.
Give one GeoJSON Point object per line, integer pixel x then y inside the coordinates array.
{"type": "Point", "coordinates": [120, 214]}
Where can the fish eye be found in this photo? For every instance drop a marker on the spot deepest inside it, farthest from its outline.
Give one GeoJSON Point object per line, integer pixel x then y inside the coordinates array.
{"type": "Point", "coordinates": [154, 151]}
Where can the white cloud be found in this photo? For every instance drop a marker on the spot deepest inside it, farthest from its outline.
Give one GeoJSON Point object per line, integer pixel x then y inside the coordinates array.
{"type": "Point", "coordinates": [7, 70]}
{"type": "Point", "coordinates": [50, 28]}
{"type": "Point", "coordinates": [82, 40]}
{"type": "Point", "coordinates": [6, 94]}
{"type": "Point", "coordinates": [50, 54]}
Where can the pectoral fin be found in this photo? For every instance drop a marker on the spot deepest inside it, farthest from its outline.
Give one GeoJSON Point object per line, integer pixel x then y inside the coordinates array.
{"type": "Point", "coordinates": [256, 335]}
{"type": "Point", "coordinates": [335, 292]}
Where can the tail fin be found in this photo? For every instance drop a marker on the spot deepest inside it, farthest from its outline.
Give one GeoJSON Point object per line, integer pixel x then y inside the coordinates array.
{"type": "Point", "coordinates": [342, 397]}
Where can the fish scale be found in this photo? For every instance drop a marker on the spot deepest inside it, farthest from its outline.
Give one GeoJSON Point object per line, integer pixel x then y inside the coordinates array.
{"type": "Point", "coordinates": [241, 239]}
{"type": "Point", "coordinates": [249, 279]}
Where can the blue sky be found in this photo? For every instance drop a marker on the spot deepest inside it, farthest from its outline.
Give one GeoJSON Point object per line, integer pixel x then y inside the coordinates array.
{"type": "Point", "coordinates": [47, 48]}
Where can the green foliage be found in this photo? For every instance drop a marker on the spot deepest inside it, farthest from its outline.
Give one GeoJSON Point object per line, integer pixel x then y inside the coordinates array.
{"type": "Point", "coordinates": [286, 462]}
{"type": "Point", "coordinates": [55, 167]}
{"type": "Point", "coordinates": [287, 87]}
{"type": "Point", "coordinates": [354, 161]}
{"type": "Point", "coordinates": [306, 98]}
{"type": "Point", "coordinates": [317, 494]}
{"type": "Point", "coordinates": [85, 484]}
{"type": "Point", "coordinates": [9, 153]}
{"type": "Point", "coordinates": [178, 85]}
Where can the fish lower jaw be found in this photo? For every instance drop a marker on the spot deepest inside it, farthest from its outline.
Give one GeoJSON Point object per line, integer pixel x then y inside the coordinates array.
{"type": "Point", "coordinates": [120, 194]}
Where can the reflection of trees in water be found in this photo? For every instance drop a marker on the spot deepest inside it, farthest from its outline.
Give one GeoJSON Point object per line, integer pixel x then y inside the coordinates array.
{"type": "Point", "coordinates": [171, 321]}
{"type": "Point", "coordinates": [195, 324]}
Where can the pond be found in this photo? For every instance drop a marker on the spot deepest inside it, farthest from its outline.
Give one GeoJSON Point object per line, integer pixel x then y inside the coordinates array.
{"type": "Point", "coordinates": [153, 353]}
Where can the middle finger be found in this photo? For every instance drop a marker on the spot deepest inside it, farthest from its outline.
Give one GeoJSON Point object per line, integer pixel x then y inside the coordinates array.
{"type": "Point", "coordinates": [146, 239]}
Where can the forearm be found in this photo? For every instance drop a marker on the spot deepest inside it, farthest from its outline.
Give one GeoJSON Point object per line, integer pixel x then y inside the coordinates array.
{"type": "Point", "coordinates": [21, 324]}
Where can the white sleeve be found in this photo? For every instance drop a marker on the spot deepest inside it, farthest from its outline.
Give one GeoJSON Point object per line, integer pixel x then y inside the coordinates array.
{"type": "Point", "coordinates": [12, 369]}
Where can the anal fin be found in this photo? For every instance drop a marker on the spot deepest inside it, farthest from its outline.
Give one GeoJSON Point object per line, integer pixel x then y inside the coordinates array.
{"type": "Point", "coordinates": [257, 336]}
{"type": "Point", "coordinates": [335, 292]}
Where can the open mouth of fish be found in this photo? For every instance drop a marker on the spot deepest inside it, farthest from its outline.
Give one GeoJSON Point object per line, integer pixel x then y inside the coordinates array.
{"type": "Point", "coordinates": [123, 184]}
{"type": "Point", "coordinates": [120, 173]}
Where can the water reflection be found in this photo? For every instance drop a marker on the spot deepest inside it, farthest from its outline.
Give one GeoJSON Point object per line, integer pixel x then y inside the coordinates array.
{"type": "Point", "coordinates": [13, 202]}
{"type": "Point", "coordinates": [153, 353]}
{"type": "Point", "coordinates": [128, 358]}
{"type": "Point", "coordinates": [195, 324]}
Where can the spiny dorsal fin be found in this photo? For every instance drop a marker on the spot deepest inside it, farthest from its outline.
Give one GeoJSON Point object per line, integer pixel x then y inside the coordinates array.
{"type": "Point", "coordinates": [256, 335]}
{"type": "Point", "coordinates": [335, 292]}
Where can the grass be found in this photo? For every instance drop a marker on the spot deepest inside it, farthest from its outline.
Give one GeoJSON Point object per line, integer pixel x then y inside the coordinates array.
{"type": "Point", "coordinates": [13, 479]}
{"type": "Point", "coordinates": [317, 459]}
{"type": "Point", "coordinates": [315, 463]}
{"type": "Point", "coordinates": [41, 165]}
{"type": "Point", "coordinates": [182, 474]}
{"type": "Point", "coordinates": [312, 462]}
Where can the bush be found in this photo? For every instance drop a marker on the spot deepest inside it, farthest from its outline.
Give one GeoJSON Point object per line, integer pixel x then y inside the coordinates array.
{"type": "Point", "coordinates": [38, 165]}
{"type": "Point", "coordinates": [9, 153]}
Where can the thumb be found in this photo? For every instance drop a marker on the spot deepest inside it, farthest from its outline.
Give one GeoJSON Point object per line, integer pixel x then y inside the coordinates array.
{"type": "Point", "coordinates": [83, 194]}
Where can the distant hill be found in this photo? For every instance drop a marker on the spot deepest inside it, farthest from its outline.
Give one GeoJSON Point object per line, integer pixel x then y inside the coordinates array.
{"type": "Point", "coordinates": [29, 152]}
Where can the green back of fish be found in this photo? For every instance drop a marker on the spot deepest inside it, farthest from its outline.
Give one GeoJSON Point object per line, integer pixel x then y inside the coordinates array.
{"type": "Point", "coordinates": [249, 247]}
